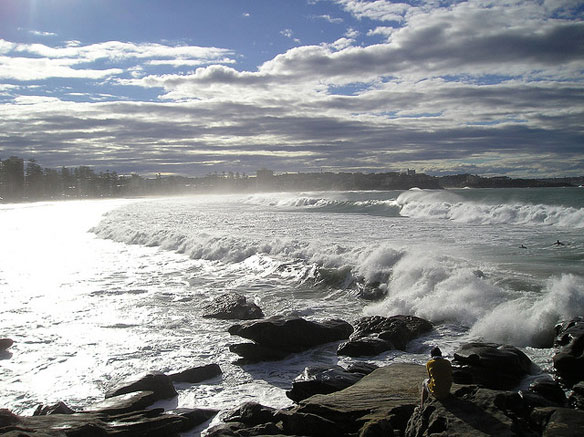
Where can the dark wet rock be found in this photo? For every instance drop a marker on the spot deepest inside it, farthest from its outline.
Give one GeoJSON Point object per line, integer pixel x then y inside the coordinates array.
{"type": "Point", "coordinates": [276, 337]}
{"type": "Point", "coordinates": [145, 423]}
{"type": "Point", "coordinates": [321, 380]}
{"type": "Point", "coordinates": [469, 411]}
{"type": "Point", "coordinates": [362, 367]}
{"type": "Point", "coordinates": [305, 424]}
{"type": "Point", "coordinates": [124, 403]}
{"type": "Point", "coordinates": [255, 353]}
{"type": "Point", "coordinates": [156, 382]}
{"type": "Point", "coordinates": [371, 291]}
{"type": "Point", "coordinates": [376, 334]}
{"type": "Point", "coordinates": [5, 343]}
{"type": "Point", "coordinates": [550, 390]}
{"type": "Point", "coordinates": [251, 413]}
{"type": "Point", "coordinates": [195, 416]}
{"type": "Point", "coordinates": [569, 360]}
{"type": "Point", "coordinates": [576, 398]}
{"type": "Point", "coordinates": [58, 408]}
{"type": "Point", "coordinates": [233, 306]}
{"type": "Point", "coordinates": [491, 365]}
{"type": "Point", "coordinates": [558, 422]}
{"type": "Point", "coordinates": [197, 374]}
{"type": "Point", "coordinates": [364, 346]}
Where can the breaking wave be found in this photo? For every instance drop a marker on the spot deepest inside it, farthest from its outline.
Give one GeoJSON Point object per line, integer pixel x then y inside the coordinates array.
{"type": "Point", "coordinates": [450, 206]}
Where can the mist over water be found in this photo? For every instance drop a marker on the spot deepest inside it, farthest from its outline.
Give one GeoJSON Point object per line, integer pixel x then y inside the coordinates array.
{"type": "Point", "coordinates": [98, 290]}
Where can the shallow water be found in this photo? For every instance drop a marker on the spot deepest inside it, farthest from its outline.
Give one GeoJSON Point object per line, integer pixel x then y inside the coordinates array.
{"type": "Point", "coordinates": [94, 291]}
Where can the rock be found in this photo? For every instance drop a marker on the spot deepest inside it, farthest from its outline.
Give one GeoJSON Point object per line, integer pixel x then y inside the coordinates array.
{"type": "Point", "coordinates": [255, 353]}
{"type": "Point", "coordinates": [558, 422]}
{"type": "Point", "coordinates": [491, 365]}
{"type": "Point", "coordinates": [388, 393]}
{"type": "Point", "coordinates": [470, 411]}
{"type": "Point", "coordinates": [124, 403]}
{"type": "Point", "coordinates": [549, 390]}
{"type": "Point", "coordinates": [321, 380]}
{"type": "Point", "coordinates": [251, 413]}
{"type": "Point", "coordinates": [279, 336]}
{"type": "Point", "coordinates": [362, 367]}
{"type": "Point", "coordinates": [197, 374]}
{"type": "Point", "coordinates": [569, 361]}
{"type": "Point", "coordinates": [233, 306]}
{"type": "Point", "coordinates": [576, 398]}
{"type": "Point", "coordinates": [5, 343]}
{"type": "Point", "coordinates": [364, 346]}
{"type": "Point", "coordinates": [376, 334]}
{"type": "Point", "coordinates": [58, 408]}
{"type": "Point", "coordinates": [384, 398]}
{"type": "Point", "coordinates": [195, 416]}
{"type": "Point", "coordinates": [145, 423]}
{"type": "Point", "coordinates": [156, 382]}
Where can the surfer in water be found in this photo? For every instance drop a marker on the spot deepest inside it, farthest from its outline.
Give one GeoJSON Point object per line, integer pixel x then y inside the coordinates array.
{"type": "Point", "coordinates": [558, 243]}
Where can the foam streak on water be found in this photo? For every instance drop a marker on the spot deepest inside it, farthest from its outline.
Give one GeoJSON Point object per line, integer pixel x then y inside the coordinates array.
{"type": "Point", "coordinates": [99, 290]}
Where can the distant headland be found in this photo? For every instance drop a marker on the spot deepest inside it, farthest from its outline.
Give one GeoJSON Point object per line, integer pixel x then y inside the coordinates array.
{"type": "Point", "coordinates": [20, 181]}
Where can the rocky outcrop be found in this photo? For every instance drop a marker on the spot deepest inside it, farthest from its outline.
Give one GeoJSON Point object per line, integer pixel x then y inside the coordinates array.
{"type": "Point", "coordinates": [383, 399]}
{"type": "Point", "coordinates": [233, 306]}
{"type": "Point", "coordinates": [569, 360]}
{"type": "Point", "coordinates": [197, 374]}
{"type": "Point", "coordinates": [376, 334]}
{"type": "Point", "coordinates": [143, 423]}
{"type": "Point", "coordinates": [491, 365]}
{"type": "Point", "coordinates": [323, 380]}
{"type": "Point", "coordinates": [156, 382]}
{"type": "Point", "coordinates": [276, 337]}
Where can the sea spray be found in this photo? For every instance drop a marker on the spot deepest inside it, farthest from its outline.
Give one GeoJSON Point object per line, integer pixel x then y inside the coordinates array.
{"type": "Point", "coordinates": [529, 320]}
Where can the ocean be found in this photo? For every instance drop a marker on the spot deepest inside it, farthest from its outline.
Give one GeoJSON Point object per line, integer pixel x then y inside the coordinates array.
{"type": "Point", "coordinates": [97, 290]}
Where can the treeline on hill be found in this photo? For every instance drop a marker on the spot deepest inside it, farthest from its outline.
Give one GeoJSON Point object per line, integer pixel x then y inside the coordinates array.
{"type": "Point", "coordinates": [28, 181]}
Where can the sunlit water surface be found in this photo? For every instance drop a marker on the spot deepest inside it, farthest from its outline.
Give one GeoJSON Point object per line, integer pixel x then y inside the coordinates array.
{"type": "Point", "coordinates": [95, 291]}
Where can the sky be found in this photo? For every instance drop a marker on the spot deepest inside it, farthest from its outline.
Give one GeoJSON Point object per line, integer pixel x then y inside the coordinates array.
{"type": "Point", "coordinates": [193, 87]}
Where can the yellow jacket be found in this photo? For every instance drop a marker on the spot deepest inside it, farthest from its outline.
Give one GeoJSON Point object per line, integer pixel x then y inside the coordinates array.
{"type": "Point", "coordinates": [440, 373]}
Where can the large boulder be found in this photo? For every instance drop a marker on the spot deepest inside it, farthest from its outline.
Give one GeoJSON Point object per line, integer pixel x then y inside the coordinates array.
{"type": "Point", "coordinates": [491, 365]}
{"type": "Point", "coordinates": [323, 380]}
{"type": "Point", "coordinates": [197, 374]}
{"type": "Point", "coordinates": [276, 337]}
{"type": "Point", "coordinates": [376, 334]}
{"type": "Point", "coordinates": [569, 360]}
{"type": "Point", "coordinates": [156, 382]}
{"type": "Point", "coordinates": [233, 306]}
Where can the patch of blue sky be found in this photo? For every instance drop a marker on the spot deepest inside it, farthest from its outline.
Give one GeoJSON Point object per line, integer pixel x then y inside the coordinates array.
{"type": "Point", "coordinates": [486, 79]}
{"type": "Point", "coordinates": [495, 122]}
{"type": "Point", "coordinates": [351, 89]}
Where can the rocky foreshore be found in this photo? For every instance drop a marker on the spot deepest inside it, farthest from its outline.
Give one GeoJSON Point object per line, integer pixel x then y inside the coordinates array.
{"type": "Point", "coordinates": [362, 400]}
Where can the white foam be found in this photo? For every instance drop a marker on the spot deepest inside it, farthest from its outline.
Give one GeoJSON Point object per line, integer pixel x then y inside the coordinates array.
{"type": "Point", "coordinates": [450, 206]}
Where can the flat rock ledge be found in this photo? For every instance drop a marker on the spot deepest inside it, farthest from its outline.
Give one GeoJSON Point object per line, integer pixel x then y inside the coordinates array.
{"type": "Point", "coordinates": [386, 403]}
{"type": "Point", "coordinates": [123, 412]}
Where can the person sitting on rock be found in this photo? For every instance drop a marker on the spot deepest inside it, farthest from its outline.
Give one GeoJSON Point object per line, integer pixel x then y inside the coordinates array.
{"type": "Point", "coordinates": [439, 377]}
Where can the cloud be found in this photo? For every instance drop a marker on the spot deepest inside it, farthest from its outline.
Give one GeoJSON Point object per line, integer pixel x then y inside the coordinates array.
{"type": "Point", "coordinates": [38, 61]}
{"type": "Point", "coordinates": [474, 86]}
{"type": "Point", "coordinates": [328, 18]}
{"type": "Point", "coordinates": [378, 10]}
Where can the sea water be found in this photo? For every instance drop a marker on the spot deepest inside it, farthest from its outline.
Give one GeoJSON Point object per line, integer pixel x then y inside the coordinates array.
{"type": "Point", "coordinates": [95, 291]}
